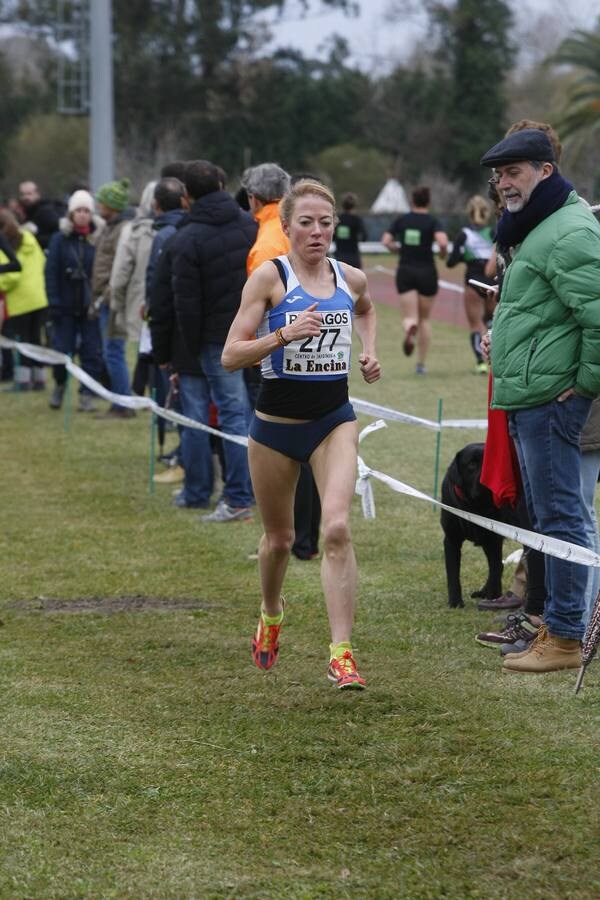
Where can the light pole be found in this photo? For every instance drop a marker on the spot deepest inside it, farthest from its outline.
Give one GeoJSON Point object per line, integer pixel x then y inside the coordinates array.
{"type": "Point", "coordinates": [101, 94]}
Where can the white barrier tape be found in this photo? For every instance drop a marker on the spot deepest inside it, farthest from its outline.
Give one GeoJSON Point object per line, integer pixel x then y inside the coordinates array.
{"type": "Point", "coordinates": [364, 488]}
{"type": "Point", "coordinates": [393, 415]}
{"type": "Point", "coordinates": [53, 358]}
{"type": "Point", "coordinates": [513, 558]}
{"type": "Point", "coordinates": [451, 286]}
{"type": "Point", "coordinates": [552, 546]}
{"type": "Point", "coordinates": [549, 545]}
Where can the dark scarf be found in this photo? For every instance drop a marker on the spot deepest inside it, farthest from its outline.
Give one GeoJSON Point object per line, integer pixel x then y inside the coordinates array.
{"type": "Point", "coordinates": [547, 196]}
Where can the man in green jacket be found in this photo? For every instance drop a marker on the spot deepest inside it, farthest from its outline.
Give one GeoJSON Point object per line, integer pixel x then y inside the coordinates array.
{"type": "Point", "coordinates": [546, 367]}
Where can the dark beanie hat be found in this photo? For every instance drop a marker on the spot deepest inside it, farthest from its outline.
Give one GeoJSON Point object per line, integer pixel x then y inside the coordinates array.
{"type": "Point", "coordinates": [114, 194]}
{"type": "Point", "coordinates": [528, 144]}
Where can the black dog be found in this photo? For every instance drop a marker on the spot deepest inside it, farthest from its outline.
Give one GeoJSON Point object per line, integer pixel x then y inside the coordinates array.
{"type": "Point", "coordinates": [461, 488]}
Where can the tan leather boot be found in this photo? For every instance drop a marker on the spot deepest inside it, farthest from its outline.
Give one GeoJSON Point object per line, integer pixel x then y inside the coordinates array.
{"type": "Point", "coordinates": [548, 653]}
{"type": "Point", "coordinates": [172, 475]}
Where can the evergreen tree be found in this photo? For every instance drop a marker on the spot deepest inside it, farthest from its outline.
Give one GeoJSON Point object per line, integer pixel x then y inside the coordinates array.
{"type": "Point", "coordinates": [478, 52]}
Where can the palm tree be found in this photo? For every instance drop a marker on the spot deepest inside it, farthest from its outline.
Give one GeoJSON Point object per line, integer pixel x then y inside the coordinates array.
{"type": "Point", "coordinates": [582, 104]}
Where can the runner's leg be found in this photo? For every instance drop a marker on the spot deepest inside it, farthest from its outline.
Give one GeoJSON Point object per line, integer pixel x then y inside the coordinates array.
{"type": "Point", "coordinates": [334, 466]}
{"type": "Point", "coordinates": [425, 306]}
{"type": "Point", "coordinates": [274, 478]}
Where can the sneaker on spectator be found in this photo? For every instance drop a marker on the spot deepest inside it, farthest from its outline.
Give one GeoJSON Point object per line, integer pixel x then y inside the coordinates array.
{"type": "Point", "coordinates": [225, 513]}
{"type": "Point", "coordinates": [86, 404]}
{"type": "Point", "coordinates": [56, 398]}
{"type": "Point", "coordinates": [181, 503]}
{"type": "Point", "coordinates": [517, 647]}
{"type": "Point", "coordinates": [519, 628]}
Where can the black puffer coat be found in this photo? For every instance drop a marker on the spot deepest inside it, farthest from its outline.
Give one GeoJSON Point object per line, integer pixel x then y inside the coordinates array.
{"type": "Point", "coordinates": [209, 268]}
{"type": "Point", "coordinates": [168, 345]}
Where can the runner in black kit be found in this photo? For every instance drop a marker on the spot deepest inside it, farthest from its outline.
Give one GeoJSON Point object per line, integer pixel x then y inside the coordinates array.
{"type": "Point", "coordinates": [349, 231]}
{"type": "Point", "coordinates": [413, 235]}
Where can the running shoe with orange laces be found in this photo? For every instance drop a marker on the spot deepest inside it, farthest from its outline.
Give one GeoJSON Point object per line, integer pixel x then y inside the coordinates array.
{"type": "Point", "coordinates": [342, 672]}
{"type": "Point", "coordinates": [265, 643]}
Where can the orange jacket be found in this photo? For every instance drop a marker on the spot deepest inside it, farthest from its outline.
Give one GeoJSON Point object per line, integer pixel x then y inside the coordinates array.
{"type": "Point", "coordinates": [270, 241]}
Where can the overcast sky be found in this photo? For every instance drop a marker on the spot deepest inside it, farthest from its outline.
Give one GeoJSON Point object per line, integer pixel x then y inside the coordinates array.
{"type": "Point", "coordinates": [377, 43]}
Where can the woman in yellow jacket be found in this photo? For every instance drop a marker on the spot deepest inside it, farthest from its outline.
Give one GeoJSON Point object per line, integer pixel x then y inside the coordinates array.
{"type": "Point", "coordinates": [25, 299]}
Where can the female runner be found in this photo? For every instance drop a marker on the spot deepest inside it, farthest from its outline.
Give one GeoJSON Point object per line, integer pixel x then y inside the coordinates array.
{"type": "Point", "coordinates": [302, 307]}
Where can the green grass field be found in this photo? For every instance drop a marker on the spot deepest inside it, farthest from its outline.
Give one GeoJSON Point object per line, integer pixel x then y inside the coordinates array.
{"type": "Point", "coordinates": [142, 755]}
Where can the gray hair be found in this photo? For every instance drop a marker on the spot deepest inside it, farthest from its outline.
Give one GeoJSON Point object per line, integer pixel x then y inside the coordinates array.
{"type": "Point", "coordinates": [267, 182]}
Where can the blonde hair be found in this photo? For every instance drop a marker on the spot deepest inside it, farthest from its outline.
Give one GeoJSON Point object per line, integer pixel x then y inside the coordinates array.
{"type": "Point", "coordinates": [478, 210]}
{"type": "Point", "coordinates": [303, 188]}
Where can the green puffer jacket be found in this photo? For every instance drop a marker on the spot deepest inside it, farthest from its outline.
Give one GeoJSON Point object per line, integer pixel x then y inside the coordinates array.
{"type": "Point", "coordinates": [546, 334]}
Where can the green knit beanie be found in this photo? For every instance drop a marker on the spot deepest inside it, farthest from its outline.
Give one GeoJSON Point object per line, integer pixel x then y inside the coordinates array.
{"type": "Point", "coordinates": [114, 194]}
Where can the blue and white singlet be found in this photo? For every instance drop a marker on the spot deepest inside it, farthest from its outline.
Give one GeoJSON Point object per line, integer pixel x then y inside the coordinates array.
{"type": "Point", "coordinates": [309, 377]}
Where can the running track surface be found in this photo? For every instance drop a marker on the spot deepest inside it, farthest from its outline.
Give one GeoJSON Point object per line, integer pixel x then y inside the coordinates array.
{"type": "Point", "coordinates": [448, 306]}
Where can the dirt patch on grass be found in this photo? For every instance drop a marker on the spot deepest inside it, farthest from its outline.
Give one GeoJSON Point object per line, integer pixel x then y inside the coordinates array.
{"type": "Point", "coordinates": [110, 605]}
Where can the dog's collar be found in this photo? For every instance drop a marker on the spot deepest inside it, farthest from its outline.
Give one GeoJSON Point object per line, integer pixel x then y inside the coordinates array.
{"type": "Point", "coordinates": [459, 492]}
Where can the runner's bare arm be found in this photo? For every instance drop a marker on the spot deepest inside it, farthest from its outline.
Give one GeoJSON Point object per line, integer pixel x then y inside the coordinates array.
{"type": "Point", "coordinates": [442, 241]}
{"type": "Point", "coordinates": [387, 239]}
{"type": "Point", "coordinates": [364, 323]}
{"type": "Point", "coordinates": [262, 288]}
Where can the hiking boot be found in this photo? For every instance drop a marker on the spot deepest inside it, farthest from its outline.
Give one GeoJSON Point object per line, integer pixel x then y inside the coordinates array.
{"type": "Point", "coordinates": [225, 513]}
{"type": "Point", "coordinates": [547, 653]}
{"type": "Point", "coordinates": [56, 399]}
{"type": "Point", "coordinates": [343, 674]}
{"type": "Point", "coordinates": [518, 628]}
{"type": "Point", "coordinates": [86, 404]}
{"type": "Point", "coordinates": [409, 340]}
{"type": "Point", "coordinates": [172, 475]}
{"type": "Point", "coordinates": [506, 601]}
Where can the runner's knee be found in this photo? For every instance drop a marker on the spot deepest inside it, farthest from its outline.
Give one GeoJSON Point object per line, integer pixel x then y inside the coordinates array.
{"type": "Point", "coordinates": [336, 532]}
{"type": "Point", "coordinates": [279, 543]}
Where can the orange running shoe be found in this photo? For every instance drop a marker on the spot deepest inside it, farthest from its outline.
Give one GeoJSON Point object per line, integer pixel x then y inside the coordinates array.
{"type": "Point", "coordinates": [342, 672]}
{"type": "Point", "coordinates": [265, 643]}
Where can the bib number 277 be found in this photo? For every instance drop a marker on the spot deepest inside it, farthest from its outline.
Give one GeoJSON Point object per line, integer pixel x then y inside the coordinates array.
{"type": "Point", "coordinates": [307, 346]}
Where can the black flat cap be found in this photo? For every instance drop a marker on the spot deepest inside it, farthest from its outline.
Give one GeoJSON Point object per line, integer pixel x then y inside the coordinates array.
{"type": "Point", "coordinates": [531, 143]}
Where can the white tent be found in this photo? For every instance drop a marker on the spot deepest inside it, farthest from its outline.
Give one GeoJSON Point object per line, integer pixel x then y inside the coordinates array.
{"type": "Point", "coordinates": [391, 198]}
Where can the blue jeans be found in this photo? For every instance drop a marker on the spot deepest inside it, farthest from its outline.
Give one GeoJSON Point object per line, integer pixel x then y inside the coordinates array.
{"type": "Point", "coordinates": [196, 452]}
{"type": "Point", "coordinates": [547, 442]}
{"type": "Point", "coordinates": [113, 350]}
{"type": "Point", "coordinates": [590, 467]}
{"type": "Point", "coordinates": [227, 392]}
